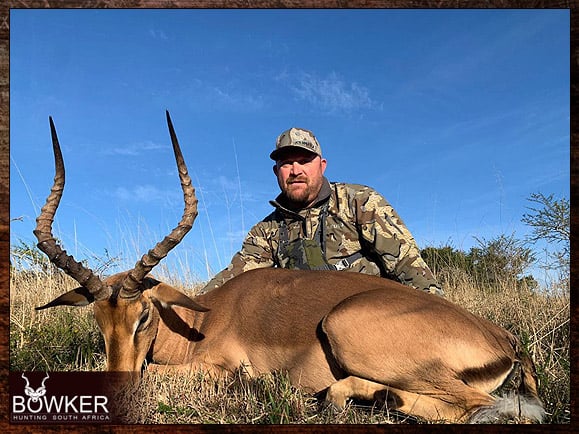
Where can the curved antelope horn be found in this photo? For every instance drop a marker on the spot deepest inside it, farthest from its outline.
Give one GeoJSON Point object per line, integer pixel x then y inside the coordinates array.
{"type": "Point", "coordinates": [46, 241]}
{"type": "Point", "coordinates": [131, 284]}
{"type": "Point", "coordinates": [27, 382]}
{"type": "Point", "coordinates": [43, 381]}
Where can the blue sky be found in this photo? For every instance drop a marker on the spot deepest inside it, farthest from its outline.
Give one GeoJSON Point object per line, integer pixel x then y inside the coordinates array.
{"type": "Point", "coordinates": [455, 116]}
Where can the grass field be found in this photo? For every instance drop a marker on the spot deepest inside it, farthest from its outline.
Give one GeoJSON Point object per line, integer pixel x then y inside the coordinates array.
{"type": "Point", "coordinates": [66, 338]}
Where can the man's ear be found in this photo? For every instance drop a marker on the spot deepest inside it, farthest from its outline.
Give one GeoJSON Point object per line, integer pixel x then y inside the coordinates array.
{"type": "Point", "coordinates": [275, 169]}
{"type": "Point", "coordinates": [324, 163]}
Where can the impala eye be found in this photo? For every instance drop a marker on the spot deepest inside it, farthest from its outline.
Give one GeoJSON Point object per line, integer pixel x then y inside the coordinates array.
{"type": "Point", "coordinates": [143, 320]}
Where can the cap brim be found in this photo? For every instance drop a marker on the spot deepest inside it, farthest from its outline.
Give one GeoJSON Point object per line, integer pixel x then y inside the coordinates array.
{"type": "Point", "coordinates": [277, 152]}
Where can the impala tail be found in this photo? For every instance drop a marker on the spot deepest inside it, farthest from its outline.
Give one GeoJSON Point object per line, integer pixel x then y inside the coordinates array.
{"type": "Point", "coordinates": [522, 404]}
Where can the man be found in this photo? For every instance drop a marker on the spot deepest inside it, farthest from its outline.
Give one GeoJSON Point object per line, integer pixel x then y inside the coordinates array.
{"type": "Point", "coordinates": [319, 225]}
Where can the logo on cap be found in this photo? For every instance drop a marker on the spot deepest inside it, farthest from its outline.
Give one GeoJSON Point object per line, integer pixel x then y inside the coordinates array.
{"type": "Point", "coordinates": [296, 138]}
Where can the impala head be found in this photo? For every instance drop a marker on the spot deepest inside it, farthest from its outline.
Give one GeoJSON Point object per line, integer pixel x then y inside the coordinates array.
{"type": "Point", "coordinates": [125, 304]}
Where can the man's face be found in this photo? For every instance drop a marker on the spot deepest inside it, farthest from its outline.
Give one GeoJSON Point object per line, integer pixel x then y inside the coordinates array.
{"type": "Point", "coordinates": [300, 176]}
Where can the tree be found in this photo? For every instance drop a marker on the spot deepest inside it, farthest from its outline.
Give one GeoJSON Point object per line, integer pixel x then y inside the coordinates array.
{"type": "Point", "coordinates": [549, 219]}
{"type": "Point", "coordinates": [501, 260]}
{"type": "Point", "coordinates": [492, 264]}
{"type": "Point", "coordinates": [446, 257]}
{"type": "Point", "coordinates": [550, 222]}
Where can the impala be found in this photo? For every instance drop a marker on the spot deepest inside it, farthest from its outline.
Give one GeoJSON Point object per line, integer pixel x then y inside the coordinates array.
{"type": "Point", "coordinates": [346, 334]}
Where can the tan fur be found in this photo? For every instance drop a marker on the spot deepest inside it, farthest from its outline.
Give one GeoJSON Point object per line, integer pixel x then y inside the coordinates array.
{"type": "Point", "coordinates": [354, 335]}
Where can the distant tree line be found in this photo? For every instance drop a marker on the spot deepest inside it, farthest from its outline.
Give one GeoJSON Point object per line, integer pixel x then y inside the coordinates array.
{"type": "Point", "coordinates": [507, 259]}
{"type": "Point", "coordinates": [490, 264]}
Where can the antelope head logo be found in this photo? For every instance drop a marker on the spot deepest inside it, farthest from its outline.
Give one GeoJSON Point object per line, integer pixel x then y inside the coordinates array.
{"type": "Point", "coordinates": [35, 394]}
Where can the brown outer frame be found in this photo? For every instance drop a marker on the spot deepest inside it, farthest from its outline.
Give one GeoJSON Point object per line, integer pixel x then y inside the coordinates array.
{"type": "Point", "coordinates": [5, 7]}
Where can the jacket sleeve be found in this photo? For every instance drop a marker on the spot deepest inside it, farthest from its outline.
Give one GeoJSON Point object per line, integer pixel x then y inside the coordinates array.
{"type": "Point", "coordinates": [256, 252]}
{"type": "Point", "coordinates": [384, 232]}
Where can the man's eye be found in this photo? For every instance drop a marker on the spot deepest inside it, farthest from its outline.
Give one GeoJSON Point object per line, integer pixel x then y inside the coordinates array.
{"type": "Point", "coordinates": [301, 162]}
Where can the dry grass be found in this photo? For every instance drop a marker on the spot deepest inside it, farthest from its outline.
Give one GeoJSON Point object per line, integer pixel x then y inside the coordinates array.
{"type": "Point", "coordinates": [67, 338]}
{"type": "Point", "coordinates": [267, 399]}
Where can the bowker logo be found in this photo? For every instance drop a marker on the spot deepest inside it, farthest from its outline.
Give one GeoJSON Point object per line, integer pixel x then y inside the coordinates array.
{"type": "Point", "coordinates": [36, 405]}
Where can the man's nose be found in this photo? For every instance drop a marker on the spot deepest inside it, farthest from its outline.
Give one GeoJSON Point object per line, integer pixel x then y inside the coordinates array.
{"type": "Point", "coordinates": [296, 168]}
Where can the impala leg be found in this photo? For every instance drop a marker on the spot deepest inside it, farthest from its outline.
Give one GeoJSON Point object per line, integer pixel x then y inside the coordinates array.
{"type": "Point", "coordinates": [451, 406]}
{"type": "Point", "coordinates": [353, 387]}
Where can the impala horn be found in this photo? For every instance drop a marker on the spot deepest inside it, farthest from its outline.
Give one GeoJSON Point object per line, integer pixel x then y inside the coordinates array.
{"type": "Point", "coordinates": [95, 288]}
{"type": "Point", "coordinates": [46, 241]}
{"type": "Point", "coordinates": [134, 279]}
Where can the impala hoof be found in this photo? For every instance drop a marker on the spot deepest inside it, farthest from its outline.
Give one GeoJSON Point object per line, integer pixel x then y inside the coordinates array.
{"type": "Point", "coordinates": [333, 406]}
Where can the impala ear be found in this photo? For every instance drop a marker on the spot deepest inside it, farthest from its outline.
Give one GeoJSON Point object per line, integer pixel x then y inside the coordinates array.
{"type": "Point", "coordinates": [169, 296]}
{"type": "Point", "coordinates": [76, 297]}
{"type": "Point", "coordinates": [150, 282]}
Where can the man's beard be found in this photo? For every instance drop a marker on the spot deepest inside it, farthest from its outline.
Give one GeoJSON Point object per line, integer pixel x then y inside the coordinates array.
{"type": "Point", "coordinates": [301, 196]}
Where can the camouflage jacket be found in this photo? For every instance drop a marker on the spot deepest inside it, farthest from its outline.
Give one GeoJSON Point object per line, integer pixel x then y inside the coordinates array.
{"type": "Point", "coordinates": [358, 220]}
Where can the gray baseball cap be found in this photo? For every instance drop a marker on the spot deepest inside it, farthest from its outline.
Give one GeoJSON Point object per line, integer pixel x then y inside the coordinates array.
{"type": "Point", "coordinates": [296, 138]}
